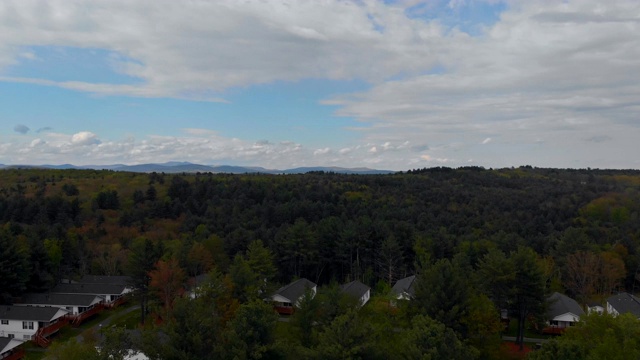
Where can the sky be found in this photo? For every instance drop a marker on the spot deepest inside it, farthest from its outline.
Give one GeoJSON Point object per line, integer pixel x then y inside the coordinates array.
{"type": "Point", "coordinates": [393, 85]}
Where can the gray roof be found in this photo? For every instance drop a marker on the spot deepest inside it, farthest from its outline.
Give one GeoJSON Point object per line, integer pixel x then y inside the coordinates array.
{"type": "Point", "coordinates": [96, 289]}
{"type": "Point", "coordinates": [625, 303]}
{"type": "Point", "coordinates": [405, 285]}
{"type": "Point", "coordinates": [103, 279]}
{"type": "Point", "coordinates": [295, 290]}
{"type": "Point", "coordinates": [355, 289]}
{"type": "Point", "coordinates": [29, 313]}
{"type": "Point", "coordinates": [561, 304]}
{"type": "Point", "coordinates": [61, 299]}
{"type": "Point", "coordinates": [6, 344]}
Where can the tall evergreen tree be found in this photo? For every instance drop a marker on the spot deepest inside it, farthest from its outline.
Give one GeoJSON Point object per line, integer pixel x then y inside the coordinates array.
{"type": "Point", "coordinates": [528, 297]}
{"type": "Point", "coordinates": [442, 292]}
{"type": "Point", "coordinates": [13, 266]}
{"type": "Point", "coordinates": [143, 257]}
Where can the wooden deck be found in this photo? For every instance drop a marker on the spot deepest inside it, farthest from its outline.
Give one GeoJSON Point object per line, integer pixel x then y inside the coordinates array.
{"type": "Point", "coordinates": [42, 334]}
{"type": "Point", "coordinates": [15, 354]}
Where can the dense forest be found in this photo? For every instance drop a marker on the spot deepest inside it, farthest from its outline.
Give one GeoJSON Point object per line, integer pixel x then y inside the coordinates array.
{"type": "Point", "coordinates": [479, 239]}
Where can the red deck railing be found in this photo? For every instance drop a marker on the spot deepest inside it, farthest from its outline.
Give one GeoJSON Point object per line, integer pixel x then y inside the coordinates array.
{"type": "Point", "coordinates": [118, 302]}
{"type": "Point", "coordinates": [285, 310]}
{"type": "Point", "coordinates": [80, 318]}
{"type": "Point", "coordinates": [15, 354]}
{"type": "Point", "coordinates": [41, 335]}
{"type": "Point", "coordinates": [52, 328]}
{"type": "Point", "coordinates": [553, 330]}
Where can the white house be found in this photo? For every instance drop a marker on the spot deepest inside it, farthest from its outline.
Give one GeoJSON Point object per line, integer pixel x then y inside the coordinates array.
{"type": "Point", "coordinates": [404, 288]}
{"type": "Point", "coordinates": [76, 304]}
{"type": "Point", "coordinates": [31, 323]}
{"type": "Point", "coordinates": [80, 306]}
{"type": "Point", "coordinates": [105, 279]}
{"type": "Point", "coordinates": [563, 312]}
{"type": "Point", "coordinates": [112, 293]}
{"type": "Point", "coordinates": [594, 307]}
{"type": "Point", "coordinates": [623, 303]}
{"type": "Point", "coordinates": [9, 349]}
{"type": "Point", "coordinates": [357, 290]}
{"type": "Point", "coordinates": [289, 296]}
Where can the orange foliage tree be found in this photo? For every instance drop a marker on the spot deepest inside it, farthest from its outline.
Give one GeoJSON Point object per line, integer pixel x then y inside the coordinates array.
{"type": "Point", "coordinates": [167, 282]}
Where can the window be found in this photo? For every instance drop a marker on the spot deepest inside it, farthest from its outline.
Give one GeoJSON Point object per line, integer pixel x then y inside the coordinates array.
{"type": "Point", "coordinates": [4, 322]}
{"type": "Point", "coordinates": [27, 325]}
{"type": "Point", "coordinates": [26, 337]}
{"type": "Point", "coordinates": [10, 336]}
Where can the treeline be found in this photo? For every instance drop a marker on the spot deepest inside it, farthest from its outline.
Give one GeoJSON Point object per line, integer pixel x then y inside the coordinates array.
{"type": "Point", "coordinates": [322, 226]}
{"type": "Point", "coordinates": [479, 240]}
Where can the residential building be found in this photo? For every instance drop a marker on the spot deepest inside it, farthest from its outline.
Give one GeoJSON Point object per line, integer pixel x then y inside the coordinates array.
{"type": "Point", "coordinates": [562, 313]}
{"type": "Point", "coordinates": [404, 289]}
{"type": "Point", "coordinates": [113, 294]}
{"type": "Point", "coordinates": [623, 303]}
{"type": "Point", "coordinates": [357, 290]}
{"type": "Point", "coordinates": [288, 296]}
{"type": "Point", "coordinates": [31, 322]}
{"type": "Point", "coordinates": [79, 306]}
{"type": "Point", "coordinates": [9, 349]}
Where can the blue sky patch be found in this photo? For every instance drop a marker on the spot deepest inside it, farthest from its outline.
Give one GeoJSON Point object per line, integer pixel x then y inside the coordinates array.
{"type": "Point", "coordinates": [469, 16]}
{"type": "Point", "coordinates": [63, 63]}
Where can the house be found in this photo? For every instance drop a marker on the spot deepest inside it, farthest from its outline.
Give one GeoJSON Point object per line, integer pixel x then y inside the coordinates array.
{"type": "Point", "coordinates": [113, 294]}
{"type": "Point", "coordinates": [404, 289]}
{"type": "Point", "coordinates": [31, 322]}
{"type": "Point", "coordinates": [594, 307]}
{"type": "Point", "coordinates": [623, 303]}
{"type": "Point", "coordinates": [104, 279]}
{"type": "Point", "coordinates": [563, 312]}
{"type": "Point", "coordinates": [9, 349]}
{"type": "Point", "coordinates": [79, 306]}
{"type": "Point", "coordinates": [289, 296]}
{"type": "Point", "coordinates": [357, 290]}
{"type": "Point", "coordinates": [193, 285]}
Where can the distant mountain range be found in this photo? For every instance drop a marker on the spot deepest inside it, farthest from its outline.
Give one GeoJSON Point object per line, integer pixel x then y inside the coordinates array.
{"type": "Point", "coordinates": [187, 167]}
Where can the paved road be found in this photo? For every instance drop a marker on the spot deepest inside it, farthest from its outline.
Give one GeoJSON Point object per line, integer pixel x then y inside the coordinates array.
{"type": "Point", "coordinates": [96, 328]}
{"type": "Point", "coordinates": [526, 339]}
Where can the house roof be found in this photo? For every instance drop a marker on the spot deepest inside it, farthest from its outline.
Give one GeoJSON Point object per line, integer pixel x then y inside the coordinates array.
{"type": "Point", "coordinates": [355, 289]}
{"type": "Point", "coordinates": [295, 290]}
{"type": "Point", "coordinates": [31, 313]}
{"type": "Point", "coordinates": [405, 285]}
{"type": "Point", "coordinates": [625, 303]}
{"type": "Point", "coordinates": [62, 299]}
{"type": "Point", "coordinates": [103, 279]}
{"type": "Point", "coordinates": [6, 344]}
{"type": "Point", "coordinates": [96, 289]}
{"type": "Point", "coordinates": [560, 304]}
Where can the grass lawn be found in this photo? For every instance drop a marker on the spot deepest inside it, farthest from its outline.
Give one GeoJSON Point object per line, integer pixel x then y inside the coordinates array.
{"type": "Point", "coordinates": [129, 321]}
{"type": "Point", "coordinates": [530, 333]}
{"type": "Point", "coordinates": [35, 352]}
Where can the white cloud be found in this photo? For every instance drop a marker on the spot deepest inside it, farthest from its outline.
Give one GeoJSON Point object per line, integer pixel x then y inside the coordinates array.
{"type": "Point", "coordinates": [85, 138]}
{"type": "Point", "coordinates": [557, 73]}
{"type": "Point", "coordinates": [203, 48]}
{"type": "Point", "coordinates": [322, 151]}
{"type": "Point", "coordinates": [37, 142]}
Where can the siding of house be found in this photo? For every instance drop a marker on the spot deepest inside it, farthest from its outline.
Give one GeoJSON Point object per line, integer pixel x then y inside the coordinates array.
{"type": "Point", "coordinates": [365, 298]}
{"type": "Point", "coordinates": [15, 329]}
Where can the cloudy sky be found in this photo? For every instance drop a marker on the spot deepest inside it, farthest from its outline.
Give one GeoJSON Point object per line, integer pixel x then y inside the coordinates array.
{"type": "Point", "coordinates": [381, 84]}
